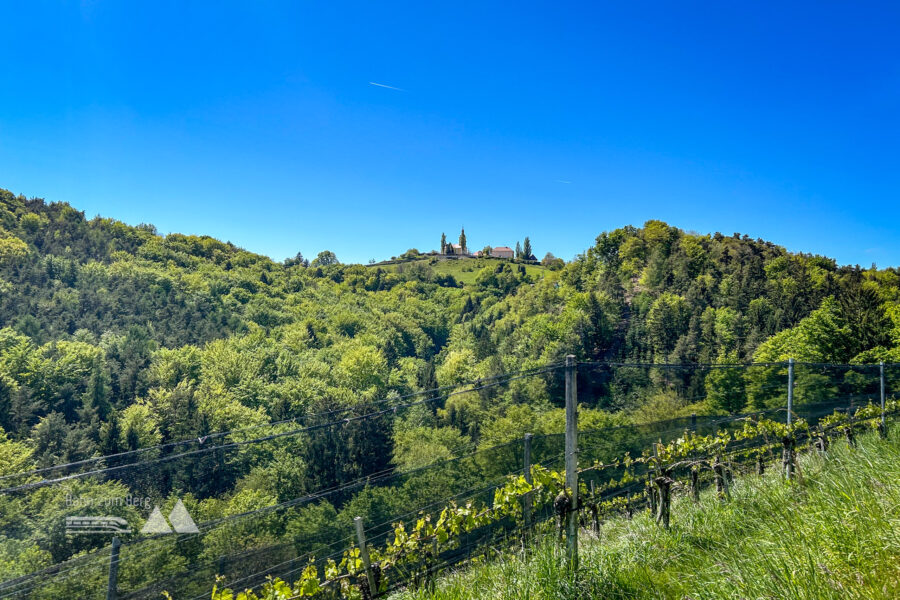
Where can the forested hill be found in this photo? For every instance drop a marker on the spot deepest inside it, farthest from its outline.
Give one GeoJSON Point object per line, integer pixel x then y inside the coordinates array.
{"type": "Point", "coordinates": [704, 298]}
{"type": "Point", "coordinates": [114, 338]}
{"type": "Point", "coordinates": [100, 303]}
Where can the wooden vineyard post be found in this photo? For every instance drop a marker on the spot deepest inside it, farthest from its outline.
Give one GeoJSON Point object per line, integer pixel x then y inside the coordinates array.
{"type": "Point", "coordinates": [572, 460]}
{"type": "Point", "coordinates": [695, 484]}
{"type": "Point", "coordinates": [788, 441]}
{"type": "Point", "coordinates": [721, 483]}
{"type": "Point", "coordinates": [364, 556]}
{"type": "Point", "coordinates": [435, 553]}
{"type": "Point", "coordinates": [788, 455]}
{"type": "Point", "coordinates": [790, 394]}
{"type": "Point", "coordinates": [112, 583]}
{"type": "Point", "coordinates": [848, 430]}
{"type": "Point", "coordinates": [526, 500]}
{"type": "Point", "coordinates": [882, 427]}
{"type": "Point", "coordinates": [663, 486]}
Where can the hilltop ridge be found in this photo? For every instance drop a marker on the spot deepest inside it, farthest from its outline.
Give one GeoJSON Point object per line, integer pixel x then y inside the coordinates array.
{"type": "Point", "coordinates": [116, 339]}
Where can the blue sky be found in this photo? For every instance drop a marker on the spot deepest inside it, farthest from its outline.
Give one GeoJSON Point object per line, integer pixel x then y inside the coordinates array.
{"type": "Point", "coordinates": [257, 122]}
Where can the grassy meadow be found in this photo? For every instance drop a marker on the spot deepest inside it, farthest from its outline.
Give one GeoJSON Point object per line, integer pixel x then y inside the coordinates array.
{"type": "Point", "coordinates": [834, 534]}
{"type": "Point", "coordinates": [464, 270]}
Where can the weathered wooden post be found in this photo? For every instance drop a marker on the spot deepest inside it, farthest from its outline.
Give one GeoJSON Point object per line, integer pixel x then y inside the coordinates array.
{"type": "Point", "coordinates": [663, 485]}
{"type": "Point", "coordinates": [849, 433]}
{"type": "Point", "coordinates": [788, 441]}
{"type": "Point", "coordinates": [882, 426]}
{"type": "Point", "coordinates": [572, 459]}
{"type": "Point", "coordinates": [434, 558]}
{"type": "Point", "coordinates": [112, 583]}
{"type": "Point", "coordinates": [695, 484]}
{"type": "Point", "coordinates": [721, 482]}
{"type": "Point", "coordinates": [652, 496]}
{"type": "Point", "coordinates": [526, 466]}
{"type": "Point", "coordinates": [790, 397]}
{"type": "Point", "coordinates": [364, 555]}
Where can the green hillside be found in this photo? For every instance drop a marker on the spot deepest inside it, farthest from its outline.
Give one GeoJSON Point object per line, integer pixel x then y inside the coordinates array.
{"type": "Point", "coordinates": [464, 271]}
{"type": "Point", "coordinates": [115, 340]}
{"type": "Point", "coordinates": [832, 535]}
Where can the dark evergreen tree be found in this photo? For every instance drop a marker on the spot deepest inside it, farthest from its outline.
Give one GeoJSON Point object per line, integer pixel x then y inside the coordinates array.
{"type": "Point", "coordinates": [110, 436]}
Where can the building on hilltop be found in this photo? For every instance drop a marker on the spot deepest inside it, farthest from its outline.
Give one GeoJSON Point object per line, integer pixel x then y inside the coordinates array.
{"type": "Point", "coordinates": [456, 250]}
{"type": "Point", "coordinates": [461, 250]}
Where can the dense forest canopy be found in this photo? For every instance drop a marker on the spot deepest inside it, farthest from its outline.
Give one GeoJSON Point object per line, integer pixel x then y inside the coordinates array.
{"type": "Point", "coordinates": [115, 338]}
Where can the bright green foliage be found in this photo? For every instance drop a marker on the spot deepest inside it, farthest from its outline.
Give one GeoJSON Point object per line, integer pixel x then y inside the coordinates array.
{"type": "Point", "coordinates": [430, 534]}
{"type": "Point", "coordinates": [831, 535]}
{"type": "Point", "coordinates": [667, 320]}
{"type": "Point", "coordinates": [823, 336]}
{"type": "Point", "coordinates": [725, 390]}
{"type": "Point", "coordinates": [116, 338]}
{"type": "Point", "coordinates": [405, 546]}
{"type": "Point", "coordinates": [12, 249]}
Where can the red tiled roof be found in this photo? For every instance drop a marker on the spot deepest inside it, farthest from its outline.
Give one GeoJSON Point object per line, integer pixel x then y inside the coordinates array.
{"type": "Point", "coordinates": [503, 248]}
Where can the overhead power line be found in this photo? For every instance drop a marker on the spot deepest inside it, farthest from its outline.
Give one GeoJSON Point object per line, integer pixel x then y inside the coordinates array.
{"type": "Point", "coordinates": [215, 435]}
{"type": "Point", "coordinates": [229, 446]}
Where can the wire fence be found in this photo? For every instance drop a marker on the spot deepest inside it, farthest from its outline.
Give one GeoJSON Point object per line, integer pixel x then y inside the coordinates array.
{"type": "Point", "coordinates": [310, 523]}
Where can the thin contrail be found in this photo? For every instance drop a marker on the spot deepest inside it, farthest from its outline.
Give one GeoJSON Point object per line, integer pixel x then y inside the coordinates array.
{"type": "Point", "coordinates": [562, 181]}
{"type": "Point", "coordinates": [390, 87]}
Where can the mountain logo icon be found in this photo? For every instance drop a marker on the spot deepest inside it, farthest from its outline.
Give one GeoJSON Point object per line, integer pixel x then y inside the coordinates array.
{"type": "Point", "coordinates": [180, 519]}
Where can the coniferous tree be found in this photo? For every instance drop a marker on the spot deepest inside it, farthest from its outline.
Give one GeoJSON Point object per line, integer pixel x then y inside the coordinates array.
{"type": "Point", "coordinates": [132, 439]}
{"type": "Point", "coordinates": [6, 392]}
{"type": "Point", "coordinates": [110, 436]}
{"type": "Point", "coordinates": [443, 243]}
{"type": "Point", "coordinates": [518, 250]}
{"type": "Point", "coordinates": [24, 409]}
{"type": "Point", "coordinates": [297, 260]}
{"type": "Point", "coordinates": [49, 439]}
{"type": "Point", "coordinates": [526, 249]}
{"type": "Point", "coordinates": [95, 401]}
{"type": "Point", "coordinates": [462, 241]}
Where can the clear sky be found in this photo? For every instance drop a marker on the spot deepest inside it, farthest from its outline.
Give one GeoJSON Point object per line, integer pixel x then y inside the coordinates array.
{"type": "Point", "coordinates": [259, 122]}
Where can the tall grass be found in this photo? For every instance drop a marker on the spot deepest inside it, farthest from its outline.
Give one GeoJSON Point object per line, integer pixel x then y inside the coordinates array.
{"type": "Point", "coordinates": [834, 534]}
